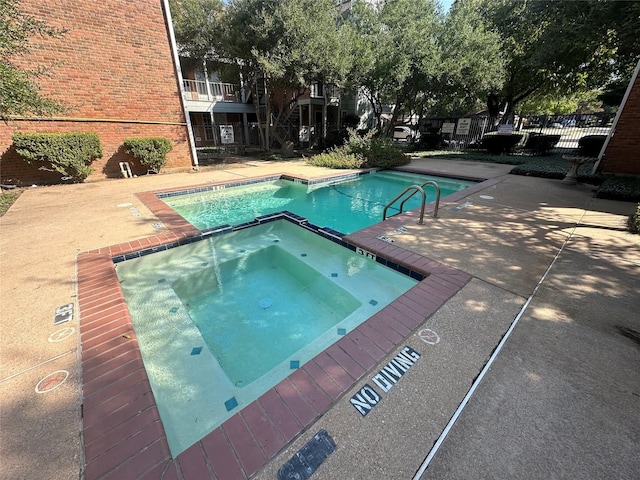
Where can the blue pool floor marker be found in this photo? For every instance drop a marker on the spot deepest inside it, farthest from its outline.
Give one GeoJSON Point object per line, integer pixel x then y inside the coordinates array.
{"type": "Point", "coordinates": [266, 303]}
{"type": "Point", "coordinates": [307, 460]}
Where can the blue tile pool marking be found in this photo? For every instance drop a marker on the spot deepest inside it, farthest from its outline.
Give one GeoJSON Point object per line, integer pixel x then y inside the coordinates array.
{"type": "Point", "coordinates": [196, 350]}
{"type": "Point", "coordinates": [231, 404]}
{"type": "Point", "coordinates": [303, 254]}
{"type": "Point", "coordinates": [342, 331]}
{"type": "Point", "coordinates": [294, 364]}
{"type": "Point", "coordinates": [210, 188]}
{"type": "Point", "coordinates": [373, 302]}
{"type": "Point", "coordinates": [334, 275]}
{"type": "Point", "coordinates": [330, 234]}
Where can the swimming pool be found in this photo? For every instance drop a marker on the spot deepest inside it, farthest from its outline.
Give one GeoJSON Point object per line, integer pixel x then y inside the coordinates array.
{"type": "Point", "coordinates": [346, 204]}
{"type": "Point", "coordinates": [221, 320]}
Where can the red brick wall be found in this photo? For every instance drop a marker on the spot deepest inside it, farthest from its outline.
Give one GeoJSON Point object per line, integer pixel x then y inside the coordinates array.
{"type": "Point", "coordinates": [114, 72]}
{"type": "Point", "coordinates": [623, 152]}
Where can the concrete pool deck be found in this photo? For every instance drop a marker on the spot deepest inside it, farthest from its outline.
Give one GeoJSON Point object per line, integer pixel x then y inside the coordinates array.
{"type": "Point", "coordinates": [561, 399]}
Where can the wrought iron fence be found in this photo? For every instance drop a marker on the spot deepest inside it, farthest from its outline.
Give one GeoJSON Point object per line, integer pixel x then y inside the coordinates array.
{"type": "Point", "coordinates": [528, 134]}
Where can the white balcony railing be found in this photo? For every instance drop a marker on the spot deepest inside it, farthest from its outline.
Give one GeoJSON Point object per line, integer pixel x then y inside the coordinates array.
{"type": "Point", "coordinates": [216, 91]}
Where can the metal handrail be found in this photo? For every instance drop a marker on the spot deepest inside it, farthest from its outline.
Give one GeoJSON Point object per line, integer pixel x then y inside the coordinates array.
{"type": "Point", "coordinates": [434, 184]}
{"type": "Point", "coordinates": [414, 189]}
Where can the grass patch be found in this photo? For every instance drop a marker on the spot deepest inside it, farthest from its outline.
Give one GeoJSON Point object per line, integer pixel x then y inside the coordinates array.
{"type": "Point", "coordinates": [7, 199]}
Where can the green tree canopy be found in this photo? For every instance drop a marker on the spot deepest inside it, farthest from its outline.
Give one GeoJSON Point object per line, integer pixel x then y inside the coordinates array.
{"type": "Point", "coordinates": [562, 47]}
{"type": "Point", "coordinates": [395, 42]}
{"type": "Point", "coordinates": [471, 62]}
{"type": "Point", "coordinates": [198, 27]}
{"type": "Point", "coordinates": [19, 92]}
{"type": "Point", "coordinates": [282, 45]}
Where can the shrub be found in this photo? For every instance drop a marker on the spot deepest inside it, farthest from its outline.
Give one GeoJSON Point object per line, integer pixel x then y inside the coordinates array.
{"type": "Point", "coordinates": [150, 151]}
{"type": "Point", "coordinates": [590, 145]}
{"type": "Point", "coordinates": [634, 221]}
{"type": "Point", "coordinates": [68, 153]}
{"type": "Point", "coordinates": [336, 138]}
{"type": "Point", "coordinates": [378, 152]}
{"type": "Point", "coordinates": [430, 141]}
{"type": "Point", "coordinates": [541, 144]}
{"type": "Point", "coordinates": [336, 158]}
{"type": "Point", "coordinates": [498, 144]}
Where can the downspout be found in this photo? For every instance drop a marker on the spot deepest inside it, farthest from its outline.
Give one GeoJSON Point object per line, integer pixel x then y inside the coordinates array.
{"type": "Point", "coordinates": [176, 65]}
{"type": "Point", "coordinates": [615, 120]}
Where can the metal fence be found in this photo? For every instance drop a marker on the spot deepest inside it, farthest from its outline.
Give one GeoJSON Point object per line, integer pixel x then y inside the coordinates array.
{"type": "Point", "coordinates": [529, 134]}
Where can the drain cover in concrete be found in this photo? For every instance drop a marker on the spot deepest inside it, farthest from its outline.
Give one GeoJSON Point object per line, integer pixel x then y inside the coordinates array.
{"type": "Point", "coordinates": [307, 460]}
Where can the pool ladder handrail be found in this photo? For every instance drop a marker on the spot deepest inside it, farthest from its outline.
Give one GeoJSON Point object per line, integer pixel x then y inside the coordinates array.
{"type": "Point", "coordinates": [415, 189]}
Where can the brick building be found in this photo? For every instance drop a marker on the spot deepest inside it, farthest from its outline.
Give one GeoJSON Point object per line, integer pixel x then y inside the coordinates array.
{"type": "Point", "coordinates": [623, 151]}
{"type": "Point", "coordinates": [114, 72]}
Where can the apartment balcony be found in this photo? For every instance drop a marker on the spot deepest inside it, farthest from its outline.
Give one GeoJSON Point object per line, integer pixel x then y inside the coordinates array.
{"type": "Point", "coordinates": [316, 95]}
{"type": "Point", "coordinates": [204, 96]}
{"type": "Point", "coordinates": [217, 92]}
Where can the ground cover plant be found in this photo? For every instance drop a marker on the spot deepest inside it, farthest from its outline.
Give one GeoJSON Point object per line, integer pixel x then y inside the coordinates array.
{"type": "Point", "coordinates": [7, 199]}
{"type": "Point", "coordinates": [554, 167]}
{"type": "Point", "coordinates": [475, 155]}
{"type": "Point", "coordinates": [625, 189]}
{"type": "Point", "coordinates": [634, 221]}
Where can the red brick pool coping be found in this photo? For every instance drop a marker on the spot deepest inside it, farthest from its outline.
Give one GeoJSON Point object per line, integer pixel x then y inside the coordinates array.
{"type": "Point", "coordinates": [122, 431]}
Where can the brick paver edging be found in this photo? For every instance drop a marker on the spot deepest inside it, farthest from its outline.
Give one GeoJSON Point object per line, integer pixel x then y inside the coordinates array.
{"type": "Point", "coordinates": [123, 435]}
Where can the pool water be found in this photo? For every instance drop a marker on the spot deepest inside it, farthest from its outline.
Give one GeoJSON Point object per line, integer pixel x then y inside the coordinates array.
{"type": "Point", "coordinates": [288, 297]}
{"type": "Point", "coordinates": [345, 206]}
{"type": "Point", "coordinates": [222, 320]}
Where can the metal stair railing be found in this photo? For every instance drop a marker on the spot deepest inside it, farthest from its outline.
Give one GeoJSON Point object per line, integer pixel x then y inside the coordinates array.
{"type": "Point", "coordinates": [415, 189]}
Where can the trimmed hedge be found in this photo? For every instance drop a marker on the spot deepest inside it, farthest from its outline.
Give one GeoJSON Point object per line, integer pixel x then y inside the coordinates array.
{"type": "Point", "coordinates": [69, 154]}
{"type": "Point", "coordinates": [150, 151]}
{"type": "Point", "coordinates": [541, 144]}
{"type": "Point", "coordinates": [498, 144]}
{"type": "Point", "coordinates": [590, 145]}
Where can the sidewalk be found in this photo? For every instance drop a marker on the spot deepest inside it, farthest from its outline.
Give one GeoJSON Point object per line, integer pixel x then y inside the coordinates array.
{"type": "Point", "coordinates": [561, 400]}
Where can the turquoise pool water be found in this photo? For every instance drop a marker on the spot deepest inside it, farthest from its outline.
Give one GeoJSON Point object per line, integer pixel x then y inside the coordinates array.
{"type": "Point", "coordinates": [345, 206]}
{"type": "Point", "coordinates": [222, 320]}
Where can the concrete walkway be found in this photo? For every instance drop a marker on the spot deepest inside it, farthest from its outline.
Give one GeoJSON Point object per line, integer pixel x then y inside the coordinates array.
{"type": "Point", "coordinates": [561, 399]}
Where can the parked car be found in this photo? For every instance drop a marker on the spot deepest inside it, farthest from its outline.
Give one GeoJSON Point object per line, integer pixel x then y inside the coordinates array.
{"type": "Point", "coordinates": [405, 134]}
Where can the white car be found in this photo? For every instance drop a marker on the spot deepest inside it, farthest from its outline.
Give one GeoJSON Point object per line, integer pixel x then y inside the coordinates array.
{"type": "Point", "coordinates": [405, 134]}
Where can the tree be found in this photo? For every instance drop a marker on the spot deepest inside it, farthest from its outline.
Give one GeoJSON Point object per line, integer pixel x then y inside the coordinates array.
{"type": "Point", "coordinates": [395, 41]}
{"type": "Point", "coordinates": [281, 46]}
{"type": "Point", "coordinates": [19, 92]}
{"type": "Point", "coordinates": [471, 62]}
{"type": "Point", "coordinates": [561, 47]}
{"type": "Point", "coordinates": [197, 25]}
